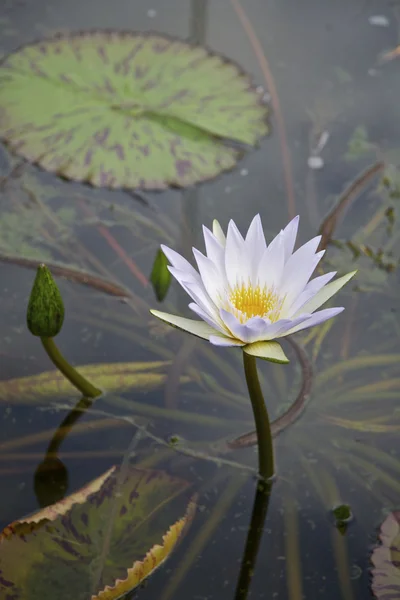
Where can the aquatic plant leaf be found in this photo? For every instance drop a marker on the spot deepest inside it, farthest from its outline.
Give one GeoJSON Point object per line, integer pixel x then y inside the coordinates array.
{"type": "Point", "coordinates": [361, 425]}
{"type": "Point", "coordinates": [359, 144]}
{"type": "Point", "coordinates": [358, 362]}
{"type": "Point", "coordinates": [107, 541]}
{"type": "Point", "coordinates": [160, 276]}
{"type": "Point", "coordinates": [110, 377]}
{"type": "Point", "coordinates": [386, 560]}
{"type": "Point", "coordinates": [124, 109]}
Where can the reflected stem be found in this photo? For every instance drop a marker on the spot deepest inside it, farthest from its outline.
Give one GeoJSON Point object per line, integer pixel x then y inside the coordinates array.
{"type": "Point", "coordinates": [51, 475]}
{"type": "Point", "coordinates": [81, 383]}
{"type": "Point", "coordinates": [263, 426]}
{"type": "Point", "coordinates": [66, 425]}
{"type": "Point", "coordinates": [260, 509]}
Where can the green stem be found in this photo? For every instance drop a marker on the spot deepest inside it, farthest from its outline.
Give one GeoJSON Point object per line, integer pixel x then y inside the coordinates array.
{"type": "Point", "coordinates": [263, 427]}
{"type": "Point", "coordinates": [83, 385]}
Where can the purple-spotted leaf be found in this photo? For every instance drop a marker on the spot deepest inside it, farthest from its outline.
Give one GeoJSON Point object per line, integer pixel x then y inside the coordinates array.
{"type": "Point", "coordinates": [124, 109]}
{"type": "Point", "coordinates": [100, 543]}
{"type": "Point", "coordinates": [110, 377]}
{"type": "Point", "coordinates": [386, 560]}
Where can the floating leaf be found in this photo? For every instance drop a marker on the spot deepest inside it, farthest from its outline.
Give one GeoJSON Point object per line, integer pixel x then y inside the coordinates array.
{"type": "Point", "coordinates": [386, 560]}
{"type": "Point", "coordinates": [111, 377]}
{"type": "Point", "coordinates": [160, 276]}
{"type": "Point", "coordinates": [123, 109]}
{"type": "Point", "coordinates": [95, 544]}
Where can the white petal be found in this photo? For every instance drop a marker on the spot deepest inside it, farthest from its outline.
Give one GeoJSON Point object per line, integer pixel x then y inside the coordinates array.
{"type": "Point", "coordinates": [280, 328]}
{"type": "Point", "coordinates": [309, 292]}
{"type": "Point", "coordinates": [198, 328]}
{"type": "Point", "coordinates": [251, 331]}
{"type": "Point", "coordinates": [210, 277]}
{"type": "Point", "coordinates": [179, 262]}
{"type": "Point", "coordinates": [327, 292]}
{"type": "Point", "coordinates": [258, 329]}
{"type": "Point", "coordinates": [219, 234]}
{"type": "Point", "coordinates": [218, 325]}
{"type": "Point", "coordinates": [255, 234]}
{"type": "Point", "coordinates": [290, 234]}
{"type": "Point", "coordinates": [255, 246]}
{"type": "Point", "coordinates": [296, 276]}
{"type": "Point", "coordinates": [215, 252]}
{"type": "Point", "coordinates": [319, 282]}
{"type": "Point", "coordinates": [234, 256]}
{"type": "Point", "coordinates": [317, 318]}
{"type": "Point", "coordinates": [270, 268]}
{"type": "Point", "coordinates": [184, 276]}
{"type": "Point", "coordinates": [301, 257]}
{"type": "Point", "coordinates": [196, 291]}
{"type": "Point", "coordinates": [224, 341]}
{"type": "Point", "coordinates": [271, 351]}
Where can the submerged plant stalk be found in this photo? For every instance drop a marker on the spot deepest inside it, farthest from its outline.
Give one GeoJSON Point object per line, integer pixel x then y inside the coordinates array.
{"type": "Point", "coordinates": [263, 425]}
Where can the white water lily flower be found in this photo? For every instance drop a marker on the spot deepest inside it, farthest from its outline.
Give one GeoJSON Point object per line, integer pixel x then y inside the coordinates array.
{"type": "Point", "coordinates": [249, 294]}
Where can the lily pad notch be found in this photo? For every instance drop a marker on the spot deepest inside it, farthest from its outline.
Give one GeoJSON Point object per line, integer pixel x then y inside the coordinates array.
{"type": "Point", "coordinates": [128, 110]}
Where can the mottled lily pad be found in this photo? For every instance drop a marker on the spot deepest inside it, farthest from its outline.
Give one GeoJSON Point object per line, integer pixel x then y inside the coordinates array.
{"type": "Point", "coordinates": [386, 560]}
{"type": "Point", "coordinates": [124, 109]}
{"type": "Point", "coordinates": [99, 543]}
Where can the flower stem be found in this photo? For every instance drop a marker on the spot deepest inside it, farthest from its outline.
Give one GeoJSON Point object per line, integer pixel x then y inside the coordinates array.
{"type": "Point", "coordinates": [263, 427]}
{"type": "Point", "coordinates": [83, 385]}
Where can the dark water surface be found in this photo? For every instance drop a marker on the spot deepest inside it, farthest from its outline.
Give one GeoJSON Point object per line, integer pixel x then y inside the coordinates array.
{"type": "Point", "coordinates": [326, 61]}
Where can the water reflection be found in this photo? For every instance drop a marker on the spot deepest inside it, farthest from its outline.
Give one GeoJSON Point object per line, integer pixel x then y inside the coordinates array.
{"type": "Point", "coordinates": [256, 529]}
{"type": "Point", "coordinates": [51, 475]}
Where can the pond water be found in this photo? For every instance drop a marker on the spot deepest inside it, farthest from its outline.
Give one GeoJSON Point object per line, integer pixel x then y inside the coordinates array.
{"type": "Point", "coordinates": [336, 103]}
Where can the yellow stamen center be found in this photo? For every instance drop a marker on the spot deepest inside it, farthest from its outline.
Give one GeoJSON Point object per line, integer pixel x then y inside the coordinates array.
{"type": "Point", "coordinates": [255, 301]}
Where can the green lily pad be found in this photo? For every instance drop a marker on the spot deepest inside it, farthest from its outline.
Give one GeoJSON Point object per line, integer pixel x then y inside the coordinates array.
{"type": "Point", "coordinates": [125, 109]}
{"type": "Point", "coordinates": [386, 560]}
{"type": "Point", "coordinates": [98, 543]}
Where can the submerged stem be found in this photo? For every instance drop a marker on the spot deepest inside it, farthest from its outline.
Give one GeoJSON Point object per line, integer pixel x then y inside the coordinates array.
{"type": "Point", "coordinates": [263, 426]}
{"type": "Point", "coordinates": [81, 383]}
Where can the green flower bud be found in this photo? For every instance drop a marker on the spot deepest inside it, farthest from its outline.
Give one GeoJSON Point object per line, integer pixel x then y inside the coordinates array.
{"type": "Point", "coordinates": [45, 314]}
{"type": "Point", "coordinates": [160, 276]}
